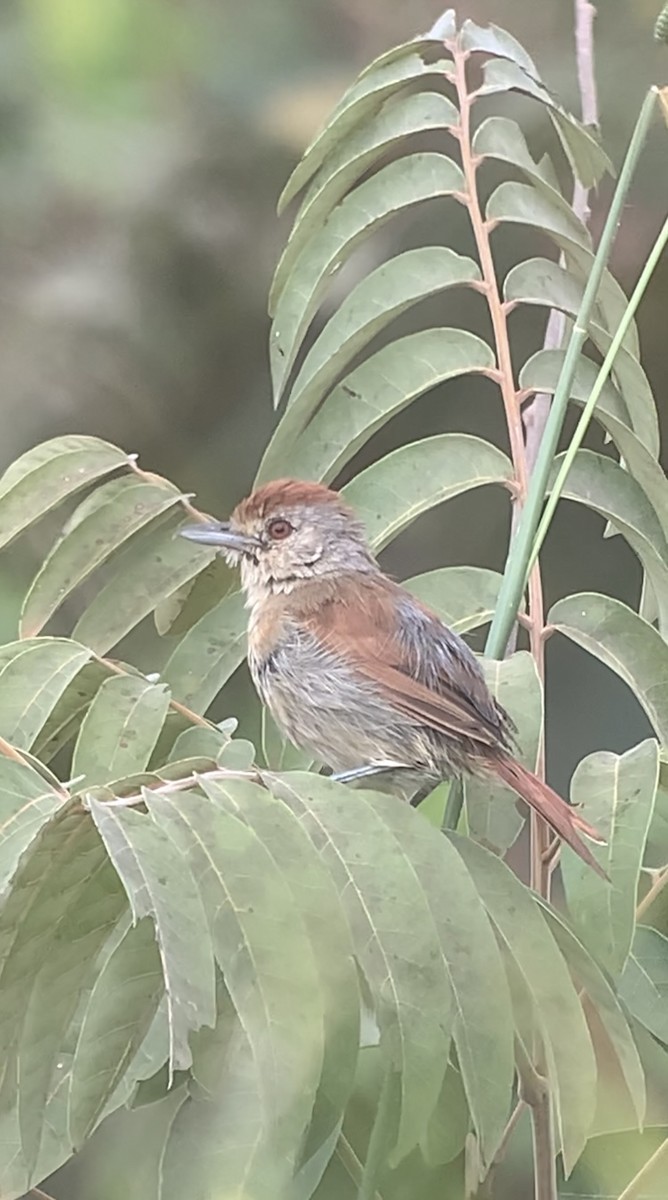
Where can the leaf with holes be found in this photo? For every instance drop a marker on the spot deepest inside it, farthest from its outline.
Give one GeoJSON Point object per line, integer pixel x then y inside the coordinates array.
{"type": "Point", "coordinates": [587, 159]}
{"type": "Point", "coordinates": [522, 204]}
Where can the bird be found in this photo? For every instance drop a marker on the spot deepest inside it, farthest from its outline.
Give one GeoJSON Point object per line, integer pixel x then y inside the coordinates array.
{"type": "Point", "coordinates": [356, 670]}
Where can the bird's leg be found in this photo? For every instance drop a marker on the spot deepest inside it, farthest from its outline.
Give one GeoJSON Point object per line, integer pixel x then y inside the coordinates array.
{"type": "Point", "coordinates": [368, 771]}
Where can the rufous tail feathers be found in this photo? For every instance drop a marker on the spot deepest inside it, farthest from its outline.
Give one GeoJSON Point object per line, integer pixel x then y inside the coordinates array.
{"type": "Point", "coordinates": [559, 815]}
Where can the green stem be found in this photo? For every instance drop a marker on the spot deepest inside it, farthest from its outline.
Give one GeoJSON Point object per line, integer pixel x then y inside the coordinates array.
{"type": "Point", "coordinates": [599, 383]}
{"type": "Point", "coordinates": [515, 574]}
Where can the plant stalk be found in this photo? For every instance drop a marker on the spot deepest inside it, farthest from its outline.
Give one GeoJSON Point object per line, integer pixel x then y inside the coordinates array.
{"type": "Point", "coordinates": [599, 383]}
{"type": "Point", "coordinates": [515, 574]}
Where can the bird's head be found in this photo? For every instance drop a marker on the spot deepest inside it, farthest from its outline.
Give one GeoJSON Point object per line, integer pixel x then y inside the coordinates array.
{"type": "Point", "coordinates": [286, 533]}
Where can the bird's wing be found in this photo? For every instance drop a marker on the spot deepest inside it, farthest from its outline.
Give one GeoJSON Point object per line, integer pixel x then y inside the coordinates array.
{"type": "Point", "coordinates": [425, 670]}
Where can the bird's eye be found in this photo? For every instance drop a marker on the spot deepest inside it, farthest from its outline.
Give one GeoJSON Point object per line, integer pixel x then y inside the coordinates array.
{"type": "Point", "coordinates": [279, 528]}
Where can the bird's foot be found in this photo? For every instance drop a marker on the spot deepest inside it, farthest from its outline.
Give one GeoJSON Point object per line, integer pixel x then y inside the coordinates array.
{"type": "Point", "coordinates": [369, 771]}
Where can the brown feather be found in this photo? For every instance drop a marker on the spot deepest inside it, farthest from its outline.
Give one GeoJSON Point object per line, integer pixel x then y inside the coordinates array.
{"type": "Point", "coordinates": [366, 635]}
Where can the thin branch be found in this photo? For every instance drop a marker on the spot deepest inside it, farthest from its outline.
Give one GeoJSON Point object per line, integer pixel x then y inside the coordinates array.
{"type": "Point", "coordinates": [486, 1190]}
{"type": "Point", "coordinates": [536, 413]}
{"type": "Point", "coordinates": [194, 717]}
{"type": "Point", "coordinates": [658, 884]}
{"type": "Point", "coordinates": [172, 786]}
{"type": "Point", "coordinates": [351, 1163]}
{"type": "Point", "coordinates": [534, 1091]}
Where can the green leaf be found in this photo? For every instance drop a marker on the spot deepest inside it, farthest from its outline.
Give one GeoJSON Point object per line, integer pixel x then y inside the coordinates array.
{"type": "Point", "coordinates": [503, 139]}
{"type": "Point", "coordinates": [599, 482]}
{"type": "Point", "coordinates": [570, 1055]}
{"type": "Point", "coordinates": [386, 861]}
{"type": "Point", "coordinates": [644, 985]}
{"type": "Point", "coordinates": [149, 569]}
{"type": "Point", "coordinates": [387, 292]}
{"type": "Point", "coordinates": [199, 741]}
{"type": "Point", "coordinates": [120, 729]}
{"type": "Point", "coordinates": [33, 678]}
{"type": "Point", "coordinates": [65, 717]}
{"type": "Point", "coordinates": [539, 282]}
{"type": "Point", "coordinates": [463, 597]}
{"type": "Point", "coordinates": [158, 885]}
{"type": "Point", "coordinates": [128, 505]}
{"type": "Point", "coordinates": [39, 480]}
{"type": "Point", "coordinates": [396, 187]}
{"type": "Point", "coordinates": [491, 809]}
{"type": "Point", "coordinates": [391, 493]}
{"type": "Point", "coordinates": [448, 1127]}
{"type": "Point", "coordinates": [63, 902]}
{"type": "Point", "coordinates": [382, 79]}
{"type": "Point", "coordinates": [316, 899]}
{"type": "Point", "coordinates": [117, 1017]}
{"type": "Point", "coordinates": [494, 40]}
{"type": "Point", "coordinates": [616, 794]}
{"type": "Point", "coordinates": [353, 157]}
{"type": "Point", "coordinates": [182, 608]}
{"type": "Point", "coordinates": [587, 159]}
{"type": "Point", "coordinates": [631, 647]}
{"type": "Point", "coordinates": [208, 654]}
{"type": "Point", "coordinates": [25, 805]}
{"type": "Point", "coordinates": [261, 944]}
{"type": "Point", "coordinates": [522, 204]}
{"type": "Point", "coordinates": [656, 847]}
{"type": "Point", "coordinates": [541, 372]}
{"type": "Point", "coordinates": [376, 391]}
{"type": "Point", "coordinates": [606, 1003]}
{"type": "Point", "coordinates": [221, 1134]}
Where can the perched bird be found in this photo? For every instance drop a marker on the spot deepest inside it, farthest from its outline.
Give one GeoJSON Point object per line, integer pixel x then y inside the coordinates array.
{"type": "Point", "coordinates": [356, 670]}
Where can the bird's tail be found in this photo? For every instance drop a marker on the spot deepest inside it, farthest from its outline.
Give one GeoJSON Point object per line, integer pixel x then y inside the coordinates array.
{"type": "Point", "coordinates": [560, 816]}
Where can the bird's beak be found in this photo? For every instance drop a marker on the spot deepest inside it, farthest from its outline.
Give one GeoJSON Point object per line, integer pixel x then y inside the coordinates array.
{"type": "Point", "coordinates": [221, 535]}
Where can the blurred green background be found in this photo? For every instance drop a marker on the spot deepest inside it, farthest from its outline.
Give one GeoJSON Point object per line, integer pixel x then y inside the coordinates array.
{"type": "Point", "coordinates": [143, 144]}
